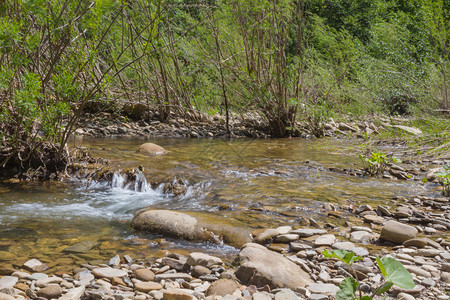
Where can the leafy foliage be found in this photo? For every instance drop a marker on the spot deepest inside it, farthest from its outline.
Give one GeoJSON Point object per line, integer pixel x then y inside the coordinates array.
{"type": "Point", "coordinates": [445, 180]}
{"type": "Point", "coordinates": [392, 270]}
{"type": "Point", "coordinates": [377, 163]}
{"type": "Point", "coordinates": [287, 60]}
{"type": "Point", "coordinates": [395, 273]}
{"type": "Point", "coordinates": [347, 289]}
{"type": "Point", "coordinates": [345, 256]}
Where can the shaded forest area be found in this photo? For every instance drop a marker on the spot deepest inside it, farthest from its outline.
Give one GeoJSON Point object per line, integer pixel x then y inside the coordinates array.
{"type": "Point", "coordinates": [287, 60]}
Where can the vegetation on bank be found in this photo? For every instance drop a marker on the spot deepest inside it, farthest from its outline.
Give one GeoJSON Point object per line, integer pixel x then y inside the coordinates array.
{"type": "Point", "coordinates": [394, 273]}
{"type": "Point", "coordinates": [288, 60]}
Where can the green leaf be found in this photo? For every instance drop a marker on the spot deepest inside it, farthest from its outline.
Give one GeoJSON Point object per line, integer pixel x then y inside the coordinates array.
{"type": "Point", "coordinates": [385, 287]}
{"type": "Point", "coordinates": [347, 289]}
{"type": "Point", "coordinates": [343, 255]}
{"type": "Point", "coordinates": [381, 266]}
{"type": "Point", "coordinates": [395, 272]}
{"type": "Point", "coordinates": [424, 180]}
{"type": "Point", "coordinates": [446, 168]}
{"type": "Point", "coordinates": [366, 298]}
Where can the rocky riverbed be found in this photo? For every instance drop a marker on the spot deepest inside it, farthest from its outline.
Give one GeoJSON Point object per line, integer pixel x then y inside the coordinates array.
{"type": "Point", "coordinates": [273, 263]}
{"type": "Point", "coordinates": [280, 263]}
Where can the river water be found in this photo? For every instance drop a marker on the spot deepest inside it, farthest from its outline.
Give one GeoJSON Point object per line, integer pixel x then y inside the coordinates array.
{"type": "Point", "coordinates": [244, 183]}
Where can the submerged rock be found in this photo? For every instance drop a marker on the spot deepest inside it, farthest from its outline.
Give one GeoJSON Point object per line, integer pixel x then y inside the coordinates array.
{"type": "Point", "coordinates": [151, 149]}
{"type": "Point", "coordinates": [81, 247]}
{"type": "Point", "coordinates": [260, 266]}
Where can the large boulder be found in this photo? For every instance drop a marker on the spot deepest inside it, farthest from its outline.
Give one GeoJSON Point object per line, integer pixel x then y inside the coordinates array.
{"type": "Point", "coordinates": [260, 266]}
{"type": "Point", "coordinates": [171, 223]}
{"type": "Point", "coordinates": [151, 149]}
{"type": "Point", "coordinates": [190, 226]}
{"type": "Point", "coordinates": [397, 232]}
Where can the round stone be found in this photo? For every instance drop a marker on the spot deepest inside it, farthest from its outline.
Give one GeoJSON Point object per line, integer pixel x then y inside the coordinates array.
{"type": "Point", "coordinates": [325, 240]}
{"type": "Point", "coordinates": [397, 232]}
{"type": "Point", "coordinates": [148, 286]}
{"type": "Point", "coordinates": [361, 236]}
{"type": "Point", "coordinates": [50, 292]}
{"type": "Point", "coordinates": [144, 274]}
{"type": "Point", "coordinates": [151, 149]}
{"type": "Point", "coordinates": [108, 273]}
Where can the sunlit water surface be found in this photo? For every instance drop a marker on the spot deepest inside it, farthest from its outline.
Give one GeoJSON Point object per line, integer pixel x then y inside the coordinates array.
{"type": "Point", "coordinates": [246, 183]}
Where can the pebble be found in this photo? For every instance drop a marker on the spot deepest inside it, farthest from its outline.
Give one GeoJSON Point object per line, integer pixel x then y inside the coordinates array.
{"type": "Point", "coordinates": [7, 282]}
{"type": "Point", "coordinates": [21, 275]}
{"type": "Point", "coordinates": [286, 238]}
{"type": "Point", "coordinates": [115, 261]}
{"type": "Point", "coordinates": [308, 232]}
{"type": "Point", "coordinates": [284, 230]}
{"type": "Point", "coordinates": [144, 274]}
{"type": "Point", "coordinates": [177, 294]}
{"type": "Point", "coordinates": [325, 240]}
{"type": "Point", "coordinates": [202, 259]}
{"type": "Point", "coordinates": [323, 288]}
{"type": "Point", "coordinates": [261, 296]}
{"type": "Point", "coordinates": [361, 236]}
{"type": "Point", "coordinates": [4, 296]}
{"type": "Point", "coordinates": [405, 296]}
{"type": "Point", "coordinates": [108, 272]}
{"type": "Point", "coordinates": [50, 292]}
{"type": "Point", "coordinates": [286, 294]}
{"type": "Point", "coordinates": [146, 287]}
{"type": "Point", "coordinates": [37, 276]}
{"type": "Point", "coordinates": [173, 276]}
{"type": "Point", "coordinates": [35, 265]}
{"type": "Point", "coordinates": [46, 281]}
{"type": "Point", "coordinates": [343, 246]}
{"type": "Point", "coordinates": [299, 246]}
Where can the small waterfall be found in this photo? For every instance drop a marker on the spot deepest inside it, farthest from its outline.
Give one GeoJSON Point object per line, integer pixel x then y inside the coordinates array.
{"type": "Point", "coordinates": [118, 180]}
{"type": "Point", "coordinates": [140, 184]}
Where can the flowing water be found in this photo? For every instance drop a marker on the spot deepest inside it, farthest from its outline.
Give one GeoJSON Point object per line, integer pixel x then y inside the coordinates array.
{"type": "Point", "coordinates": [243, 183]}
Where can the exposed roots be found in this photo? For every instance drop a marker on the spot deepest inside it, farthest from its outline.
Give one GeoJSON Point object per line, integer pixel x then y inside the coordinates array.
{"type": "Point", "coordinates": [44, 161]}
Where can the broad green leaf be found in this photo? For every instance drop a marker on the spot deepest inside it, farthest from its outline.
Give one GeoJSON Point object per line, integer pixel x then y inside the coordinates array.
{"type": "Point", "coordinates": [343, 255]}
{"type": "Point", "coordinates": [347, 288]}
{"type": "Point", "coordinates": [396, 273]}
{"type": "Point", "coordinates": [385, 287]}
{"type": "Point", "coordinates": [446, 168]}
{"type": "Point", "coordinates": [381, 266]}
{"type": "Point", "coordinates": [366, 298]}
